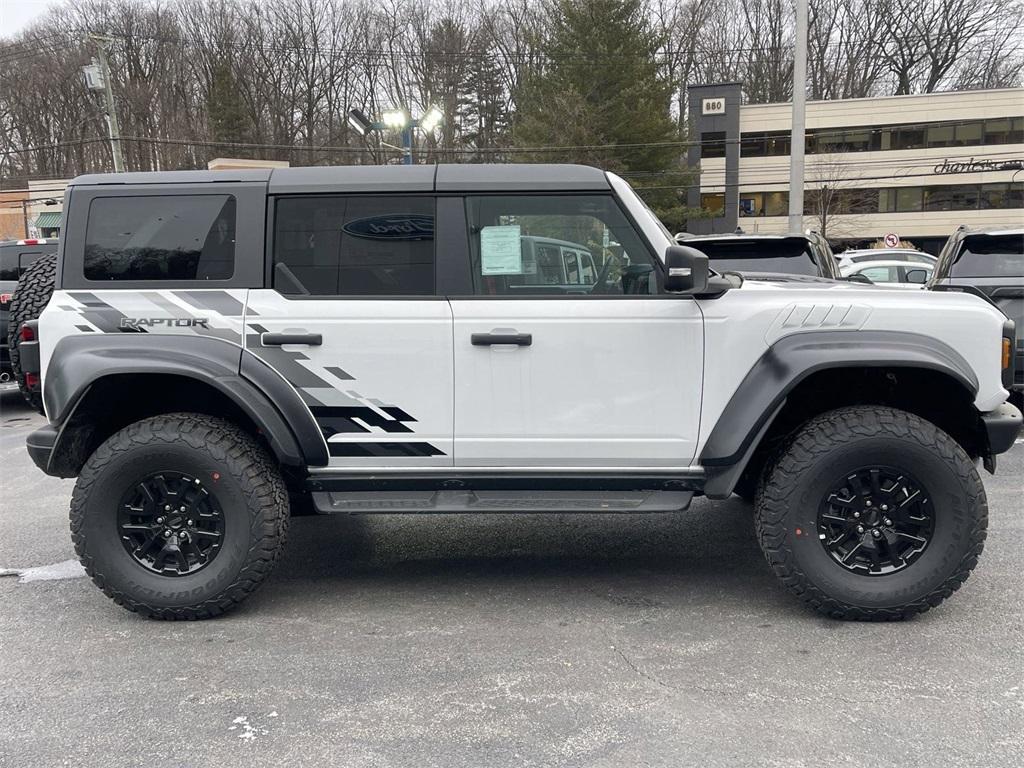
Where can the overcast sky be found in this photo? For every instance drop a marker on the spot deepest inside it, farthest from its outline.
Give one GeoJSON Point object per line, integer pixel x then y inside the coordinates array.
{"type": "Point", "coordinates": [15, 15]}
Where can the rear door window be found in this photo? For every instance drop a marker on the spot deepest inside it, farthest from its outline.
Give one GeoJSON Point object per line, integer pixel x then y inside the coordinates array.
{"type": "Point", "coordinates": [990, 256]}
{"type": "Point", "coordinates": [161, 237]}
{"type": "Point", "coordinates": [354, 246]}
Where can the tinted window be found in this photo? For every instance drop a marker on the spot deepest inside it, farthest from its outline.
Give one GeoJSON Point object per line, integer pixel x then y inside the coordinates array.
{"type": "Point", "coordinates": [556, 244]}
{"type": "Point", "coordinates": [1001, 256]}
{"type": "Point", "coordinates": [881, 274]}
{"type": "Point", "coordinates": [789, 256]}
{"type": "Point", "coordinates": [354, 246]}
{"type": "Point", "coordinates": [14, 259]}
{"type": "Point", "coordinates": [169, 237]}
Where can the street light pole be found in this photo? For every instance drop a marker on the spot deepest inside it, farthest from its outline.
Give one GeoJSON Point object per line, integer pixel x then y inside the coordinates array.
{"type": "Point", "coordinates": [407, 142]}
{"type": "Point", "coordinates": [796, 141]}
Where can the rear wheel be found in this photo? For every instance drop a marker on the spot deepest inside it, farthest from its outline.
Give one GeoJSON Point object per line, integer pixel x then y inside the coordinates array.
{"type": "Point", "coordinates": [872, 513]}
{"type": "Point", "coordinates": [179, 516]}
{"type": "Point", "coordinates": [35, 287]}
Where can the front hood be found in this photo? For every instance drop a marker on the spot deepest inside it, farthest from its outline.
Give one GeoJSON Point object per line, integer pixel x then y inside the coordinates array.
{"type": "Point", "coordinates": [772, 280]}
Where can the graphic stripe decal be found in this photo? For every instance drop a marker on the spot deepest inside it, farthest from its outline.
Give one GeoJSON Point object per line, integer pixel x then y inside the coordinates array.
{"type": "Point", "coordinates": [218, 301]}
{"type": "Point", "coordinates": [383, 449]}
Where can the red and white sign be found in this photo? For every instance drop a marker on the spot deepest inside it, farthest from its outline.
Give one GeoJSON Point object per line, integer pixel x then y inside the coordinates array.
{"type": "Point", "coordinates": [891, 240]}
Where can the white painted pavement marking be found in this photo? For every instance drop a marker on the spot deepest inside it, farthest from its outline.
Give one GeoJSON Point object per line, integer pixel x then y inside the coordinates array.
{"type": "Point", "coordinates": [69, 569]}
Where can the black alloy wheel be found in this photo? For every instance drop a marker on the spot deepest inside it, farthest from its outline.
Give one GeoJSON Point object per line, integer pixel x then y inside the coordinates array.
{"type": "Point", "coordinates": [170, 524]}
{"type": "Point", "coordinates": [876, 520]}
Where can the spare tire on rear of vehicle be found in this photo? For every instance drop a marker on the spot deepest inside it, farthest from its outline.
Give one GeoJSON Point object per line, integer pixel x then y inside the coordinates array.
{"type": "Point", "coordinates": [31, 296]}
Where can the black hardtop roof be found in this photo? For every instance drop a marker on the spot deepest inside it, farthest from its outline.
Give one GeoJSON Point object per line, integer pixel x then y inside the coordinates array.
{"type": "Point", "coordinates": [479, 177]}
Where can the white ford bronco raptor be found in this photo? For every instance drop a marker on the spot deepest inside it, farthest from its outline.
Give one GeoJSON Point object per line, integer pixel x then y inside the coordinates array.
{"type": "Point", "coordinates": [224, 348]}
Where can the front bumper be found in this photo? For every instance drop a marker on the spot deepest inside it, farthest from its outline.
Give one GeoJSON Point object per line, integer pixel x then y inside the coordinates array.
{"type": "Point", "coordinates": [1002, 426]}
{"type": "Point", "coordinates": [40, 445]}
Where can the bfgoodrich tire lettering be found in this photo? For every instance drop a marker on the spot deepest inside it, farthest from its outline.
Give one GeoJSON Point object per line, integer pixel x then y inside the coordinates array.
{"type": "Point", "coordinates": [835, 444]}
{"type": "Point", "coordinates": [235, 468]}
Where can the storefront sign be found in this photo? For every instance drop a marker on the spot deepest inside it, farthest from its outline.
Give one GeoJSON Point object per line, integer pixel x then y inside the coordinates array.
{"type": "Point", "coordinates": [973, 166]}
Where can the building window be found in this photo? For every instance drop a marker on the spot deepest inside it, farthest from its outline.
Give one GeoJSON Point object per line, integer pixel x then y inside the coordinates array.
{"type": "Point", "coordinates": [939, 135]}
{"type": "Point", "coordinates": [712, 144]}
{"type": "Point", "coordinates": [753, 145]}
{"type": "Point", "coordinates": [777, 143]}
{"type": "Point", "coordinates": [908, 199]}
{"type": "Point", "coordinates": [713, 204]}
{"type": "Point", "coordinates": [968, 134]}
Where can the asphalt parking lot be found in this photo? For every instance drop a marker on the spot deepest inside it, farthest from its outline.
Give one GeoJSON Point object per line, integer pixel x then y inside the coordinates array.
{"type": "Point", "coordinates": [535, 640]}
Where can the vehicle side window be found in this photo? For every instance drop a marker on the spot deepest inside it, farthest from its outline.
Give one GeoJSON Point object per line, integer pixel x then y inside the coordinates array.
{"type": "Point", "coordinates": [13, 262]}
{"type": "Point", "coordinates": [25, 260]}
{"type": "Point", "coordinates": [160, 237]}
{"type": "Point", "coordinates": [989, 256]}
{"type": "Point", "coordinates": [588, 272]}
{"type": "Point", "coordinates": [354, 246]}
{"type": "Point", "coordinates": [572, 267]}
{"type": "Point", "coordinates": [527, 245]}
{"type": "Point", "coordinates": [881, 274]}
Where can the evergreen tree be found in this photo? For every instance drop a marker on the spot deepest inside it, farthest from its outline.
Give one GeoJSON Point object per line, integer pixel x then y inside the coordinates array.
{"type": "Point", "coordinates": [225, 110]}
{"type": "Point", "coordinates": [601, 84]}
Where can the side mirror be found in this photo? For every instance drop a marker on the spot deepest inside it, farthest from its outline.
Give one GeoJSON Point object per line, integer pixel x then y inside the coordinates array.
{"type": "Point", "coordinates": [917, 276]}
{"type": "Point", "coordinates": [686, 270]}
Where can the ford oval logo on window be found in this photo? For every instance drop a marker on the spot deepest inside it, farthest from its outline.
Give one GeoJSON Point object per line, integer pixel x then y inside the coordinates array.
{"type": "Point", "coordinates": [397, 226]}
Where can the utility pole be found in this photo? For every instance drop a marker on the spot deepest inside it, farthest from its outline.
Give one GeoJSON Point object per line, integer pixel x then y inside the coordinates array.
{"type": "Point", "coordinates": [108, 97]}
{"type": "Point", "coordinates": [796, 142]}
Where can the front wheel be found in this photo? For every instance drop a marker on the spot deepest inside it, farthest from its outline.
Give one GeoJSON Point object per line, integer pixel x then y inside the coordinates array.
{"type": "Point", "coordinates": [179, 516]}
{"type": "Point", "coordinates": [872, 513]}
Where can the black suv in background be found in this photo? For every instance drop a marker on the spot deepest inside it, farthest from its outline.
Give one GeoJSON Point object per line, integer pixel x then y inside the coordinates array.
{"type": "Point", "coordinates": [15, 258]}
{"type": "Point", "coordinates": [991, 261]}
{"type": "Point", "coordinates": [766, 256]}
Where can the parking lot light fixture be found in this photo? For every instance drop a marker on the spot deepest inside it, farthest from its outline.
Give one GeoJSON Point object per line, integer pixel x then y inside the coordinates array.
{"type": "Point", "coordinates": [431, 119]}
{"type": "Point", "coordinates": [359, 122]}
{"type": "Point", "coordinates": [395, 119]}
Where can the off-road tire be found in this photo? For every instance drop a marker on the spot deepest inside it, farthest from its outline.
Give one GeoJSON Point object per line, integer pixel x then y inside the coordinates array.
{"type": "Point", "coordinates": [834, 443]}
{"type": "Point", "coordinates": [35, 287]}
{"type": "Point", "coordinates": [248, 488]}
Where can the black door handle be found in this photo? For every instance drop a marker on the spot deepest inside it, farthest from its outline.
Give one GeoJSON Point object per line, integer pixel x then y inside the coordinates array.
{"type": "Point", "coordinates": [487, 339]}
{"type": "Point", "coordinates": [277, 339]}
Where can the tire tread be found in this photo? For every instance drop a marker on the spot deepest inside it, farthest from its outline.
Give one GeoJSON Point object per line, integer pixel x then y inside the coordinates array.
{"type": "Point", "coordinates": [241, 456]}
{"type": "Point", "coordinates": [821, 435]}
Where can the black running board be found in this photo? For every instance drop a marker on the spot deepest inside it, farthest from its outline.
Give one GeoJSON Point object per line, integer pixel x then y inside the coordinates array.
{"type": "Point", "coordinates": [465, 501]}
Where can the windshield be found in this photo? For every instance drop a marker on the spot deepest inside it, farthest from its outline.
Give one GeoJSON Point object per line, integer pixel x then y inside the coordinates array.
{"type": "Point", "coordinates": [788, 256]}
{"type": "Point", "coordinates": [990, 256]}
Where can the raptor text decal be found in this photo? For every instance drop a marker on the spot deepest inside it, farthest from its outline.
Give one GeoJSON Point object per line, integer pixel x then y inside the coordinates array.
{"type": "Point", "coordinates": [141, 323]}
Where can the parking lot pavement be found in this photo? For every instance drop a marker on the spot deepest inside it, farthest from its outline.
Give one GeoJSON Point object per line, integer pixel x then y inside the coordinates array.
{"type": "Point", "coordinates": [535, 640]}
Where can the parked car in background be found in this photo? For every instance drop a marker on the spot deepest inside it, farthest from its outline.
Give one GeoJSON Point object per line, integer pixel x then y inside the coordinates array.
{"type": "Point", "coordinates": [15, 258]}
{"type": "Point", "coordinates": [992, 262]}
{"type": "Point", "coordinates": [859, 256]}
{"type": "Point", "coordinates": [756, 256]}
{"type": "Point", "coordinates": [898, 274]}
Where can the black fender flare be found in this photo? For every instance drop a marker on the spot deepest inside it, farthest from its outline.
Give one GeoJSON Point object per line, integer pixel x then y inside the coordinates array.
{"type": "Point", "coordinates": [79, 361]}
{"type": "Point", "coordinates": [762, 393]}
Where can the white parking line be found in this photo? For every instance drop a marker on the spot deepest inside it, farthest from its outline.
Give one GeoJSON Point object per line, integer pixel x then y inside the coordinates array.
{"type": "Point", "coordinates": [69, 569]}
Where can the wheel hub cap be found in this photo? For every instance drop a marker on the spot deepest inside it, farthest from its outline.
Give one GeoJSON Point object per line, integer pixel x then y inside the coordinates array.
{"type": "Point", "coordinates": [170, 524]}
{"type": "Point", "coordinates": [876, 521]}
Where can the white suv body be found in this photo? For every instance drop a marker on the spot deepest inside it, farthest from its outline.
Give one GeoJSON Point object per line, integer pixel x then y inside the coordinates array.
{"type": "Point", "coordinates": [447, 379]}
